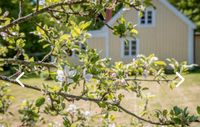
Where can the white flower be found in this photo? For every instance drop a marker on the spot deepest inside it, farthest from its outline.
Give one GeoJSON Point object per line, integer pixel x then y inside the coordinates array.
{"type": "Point", "coordinates": [153, 59]}
{"type": "Point", "coordinates": [72, 108]}
{"type": "Point", "coordinates": [113, 75]}
{"type": "Point", "coordinates": [87, 114]}
{"type": "Point", "coordinates": [111, 125]}
{"type": "Point", "coordinates": [41, 2]}
{"type": "Point", "coordinates": [65, 74]}
{"type": "Point", "coordinates": [14, 33]}
{"type": "Point", "coordinates": [123, 81]}
{"type": "Point", "coordinates": [145, 73]}
{"type": "Point", "coordinates": [87, 77]}
{"type": "Point", "coordinates": [60, 76]}
{"type": "Point", "coordinates": [140, 56]}
{"type": "Point", "coordinates": [3, 34]}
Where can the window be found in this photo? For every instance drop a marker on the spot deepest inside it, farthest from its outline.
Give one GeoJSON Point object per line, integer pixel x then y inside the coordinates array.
{"type": "Point", "coordinates": [130, 48]}
{"type": "Point", "coordinates": [148, 17]}
{"type": "Point", "coordinates": [81, 47]}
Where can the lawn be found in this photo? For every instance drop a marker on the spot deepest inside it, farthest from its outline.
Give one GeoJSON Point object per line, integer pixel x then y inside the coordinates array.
{"type": "Point", "coordinates": [187, 94]}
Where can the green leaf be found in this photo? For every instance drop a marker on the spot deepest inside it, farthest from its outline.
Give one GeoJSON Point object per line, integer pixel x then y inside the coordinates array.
{"type": "Point", "coordinates": [66, 122]}
{"type": "Point", "coordinates": [83, 25]}
{"type": "Point", "coordinates": [177, 110]}
{"type": "Point", "coordinates": [198, 110]}
{"type": "Point", "coordinates": [40, 101]}
{"type": "Point", "coordinates": [160, 63]}
{"type": "Point", "coordinates": [165, 112]}
{"type": "Point", "coordinates": [46, 45]}
{"type": "Point", "coordinates": [177, 120]}
{"type": "Point", "coordinates": [64, 37]}
{"type": "Point", "coordinates": [134, 31]}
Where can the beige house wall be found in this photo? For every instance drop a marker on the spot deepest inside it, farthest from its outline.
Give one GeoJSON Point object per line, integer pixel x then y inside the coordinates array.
{"type": "Point", "coordinates": [197, 49]}
{"type": "Point", "coordinates": [97, 43]}
{"type": "Point", "coordinates": [167, 39]}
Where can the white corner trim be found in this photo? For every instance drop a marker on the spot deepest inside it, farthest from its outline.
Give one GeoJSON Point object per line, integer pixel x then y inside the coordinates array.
{"type": "Point", "coordinates": [179, 14]}
{"type": "Point", "coordinates": [190, 45]}
{"type": "Point", "coordinates": [122, 47]}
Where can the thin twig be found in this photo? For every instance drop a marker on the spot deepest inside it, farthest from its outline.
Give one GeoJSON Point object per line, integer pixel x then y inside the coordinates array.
{"type": "Point", "coordinates": [27, 63]}
{"type": "Point", "coordinates": [20, 8]}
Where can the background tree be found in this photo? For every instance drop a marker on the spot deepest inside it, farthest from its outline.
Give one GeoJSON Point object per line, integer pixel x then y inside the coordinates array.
{"type": "Point", "coordinates": [191, 8]}
{"type": "Point", "coordinates": [32, 47]}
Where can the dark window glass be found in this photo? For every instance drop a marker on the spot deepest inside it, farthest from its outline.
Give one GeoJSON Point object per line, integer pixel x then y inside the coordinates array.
{"type": "Point", "coordinates": [142, 21]}
{"type": "Point", "coordinates": [126, 48]}
{"type": "Point", "coordinates": [133, 47]}
{"type": "Point", "coordinates": [149, 15]}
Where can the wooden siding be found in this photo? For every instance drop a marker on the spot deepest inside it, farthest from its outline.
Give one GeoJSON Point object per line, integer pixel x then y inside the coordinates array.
{"type": "Point", "coordinates": [97, 43]}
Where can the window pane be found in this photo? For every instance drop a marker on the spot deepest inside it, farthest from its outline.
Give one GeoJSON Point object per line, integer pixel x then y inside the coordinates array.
{"type": "Point", "coordinates": [142, 19]}
{"type": "Point", "coordinates": [149, 17]}
{"type": "Point", "coordinates": [82, 47]}
{"type": "Point", "coordinates": [133, 53]}
{"type": "Point", "coordinates": [126, 48]}
{"type": "Point", "coordinates": [133, 47]}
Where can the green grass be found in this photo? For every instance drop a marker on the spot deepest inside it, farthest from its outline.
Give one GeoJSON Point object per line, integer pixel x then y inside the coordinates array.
{"type": "Point", "coordinates": [187, 95]}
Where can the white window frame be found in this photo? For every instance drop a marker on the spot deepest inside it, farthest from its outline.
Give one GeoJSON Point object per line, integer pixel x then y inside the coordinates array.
{"type": "Point", "coordinates": [130, 54]}
{"type": "Point", "coordinates": [146, 19]}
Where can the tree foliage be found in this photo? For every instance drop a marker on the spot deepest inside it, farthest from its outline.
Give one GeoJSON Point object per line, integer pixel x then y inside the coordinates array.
{"type": "Point", "coordinates": [32, 46]}
{"type": "Point", "coordinates": [191, 8]}
{"type": "Point", "coordinates": [99, 79]}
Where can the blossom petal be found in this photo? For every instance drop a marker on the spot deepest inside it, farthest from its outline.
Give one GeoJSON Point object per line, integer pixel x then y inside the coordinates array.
{"type": "Point", "coordinates": [70, 80]}
{"type": "Point", "coordinates": [60, 78]}
{"type": "Point", "coordinates": [66, 69]}
{"type": "Point", "coordinates": [88, 77]}
{"type": "Point", "coordinates": [60, 72]}
{"type": "Point", "coordinates": [72, 73]}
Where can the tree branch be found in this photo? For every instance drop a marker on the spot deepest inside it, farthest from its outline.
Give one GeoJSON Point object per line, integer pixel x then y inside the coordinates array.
{"type": "Point", "coordinates": [75, 97]}
{"type": "Point", "coordinates": [26, 63]}
{"type": "Point", "coordinates": [43, 10]}
{"type": "Point", "coordinates": [37, 5]}
{"type": "Point", "coordinates": [20, 8]}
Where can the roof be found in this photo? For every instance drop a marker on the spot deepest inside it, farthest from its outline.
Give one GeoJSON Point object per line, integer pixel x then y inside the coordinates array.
{"type": "Point", "coordinates": [167, 4]}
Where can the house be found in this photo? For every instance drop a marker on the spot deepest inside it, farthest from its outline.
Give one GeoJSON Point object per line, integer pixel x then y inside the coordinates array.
{"type": "Point", "coordinates": [164, 31]}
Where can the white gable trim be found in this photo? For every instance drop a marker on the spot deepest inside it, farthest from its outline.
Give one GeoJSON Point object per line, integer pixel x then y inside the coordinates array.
{"type": "Point", "coordinates": [167, 4]}
{"type": "Point", "coordinates": [178, 13]}
{"type": "Point", "coordinates": [113, 19]}
{"type": "Point", "coordinates": [97, 33]}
